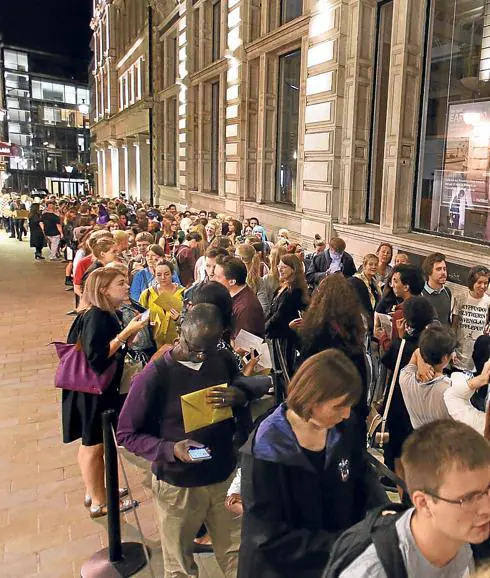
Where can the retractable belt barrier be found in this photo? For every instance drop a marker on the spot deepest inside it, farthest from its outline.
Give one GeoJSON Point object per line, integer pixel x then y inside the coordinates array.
{"type": "Point", "coordinates": [120, 559]}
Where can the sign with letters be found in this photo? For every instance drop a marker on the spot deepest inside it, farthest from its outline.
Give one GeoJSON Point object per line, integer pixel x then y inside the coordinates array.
{"type": "Point", "coordinates": [5, 149]}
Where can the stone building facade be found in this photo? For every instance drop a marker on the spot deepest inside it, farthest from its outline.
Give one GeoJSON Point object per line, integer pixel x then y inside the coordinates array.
{"type": "Point", "coordinates": [122, 98]}
{"type": "Point", "coordinates": [362, 118]}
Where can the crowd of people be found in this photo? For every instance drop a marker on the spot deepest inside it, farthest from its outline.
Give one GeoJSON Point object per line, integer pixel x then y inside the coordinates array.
{"type": "Point", "coordinates": [177, 304]}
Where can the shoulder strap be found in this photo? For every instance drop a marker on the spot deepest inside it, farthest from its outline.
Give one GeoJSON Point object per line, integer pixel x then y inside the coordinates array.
{"type": "Point", "coordinates": [394, 377]}
{"type": "Point", "coordinates": [386, 542]}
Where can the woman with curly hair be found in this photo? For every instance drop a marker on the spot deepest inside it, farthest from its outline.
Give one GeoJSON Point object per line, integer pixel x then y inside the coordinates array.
{"type": "Point", "coordinates": [234, 230]}
{"type": "Point", "coordinates": [334, 320]}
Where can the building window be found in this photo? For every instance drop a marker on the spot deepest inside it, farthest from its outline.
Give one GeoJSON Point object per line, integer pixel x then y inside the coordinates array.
{"type": "Point", "coordinates": [287, 133]}
{"type": "Point", "coordinates": [214, 136]}
{"type": "Point", "coordinates": [137, 81]}
{"type": "Point", "coordinates": [15, 60]}
{"type": "Point", "coordinates": [290, 9]}
{"type": "Point", "coordinates": [216, 30]}
{"type": "Point", "coordinates": [171, 136]}
{"type": "Point", "coordinates": [381, 83]}
{"type": "Point", "coordinates": [453, 188]}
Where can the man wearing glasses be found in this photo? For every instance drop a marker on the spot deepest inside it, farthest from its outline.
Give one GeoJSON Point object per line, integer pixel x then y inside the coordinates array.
{"type": "Point", "coordinates": [447, 471]}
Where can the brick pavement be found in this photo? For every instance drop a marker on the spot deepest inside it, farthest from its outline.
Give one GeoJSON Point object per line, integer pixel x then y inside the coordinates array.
{"type": "Point", "coordinates": [45, 532]}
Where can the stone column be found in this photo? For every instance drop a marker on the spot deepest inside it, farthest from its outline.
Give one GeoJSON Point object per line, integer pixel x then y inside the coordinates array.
{"type": "Point", "coordinates": [185, 50]}
{"type": "Point", "coordinates": [235, 95]}
{"type": "Point", "coordinates": [122, 172]}
{"type": "Point", "coordinates": [130, 161]}
{"type": "Point", "coordinates": [144, 162]}
{"type": "Point", "coordinates": [114, 154]}
{"type": "Point", "coordinates": [407, 47]}
{"type": "Point", "coordinates": [359, 46]}
{"type": "Point", "coordinates": [100, 172]}
{"type": "Point", "coordinates": [108, 170]}
{"type": "Point", "coordinates": [319, 166]}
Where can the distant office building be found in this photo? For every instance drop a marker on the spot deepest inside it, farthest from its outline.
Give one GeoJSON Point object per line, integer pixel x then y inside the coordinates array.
{"type": "Point", "coordinates": [45, 115]}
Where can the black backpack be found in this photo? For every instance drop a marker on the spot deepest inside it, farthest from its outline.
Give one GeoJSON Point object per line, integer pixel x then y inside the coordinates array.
{"type": "Point", "coordinates": [378, 528]}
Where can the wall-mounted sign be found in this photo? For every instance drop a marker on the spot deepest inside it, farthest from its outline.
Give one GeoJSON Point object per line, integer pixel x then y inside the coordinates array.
{"type": "Point", "coordinates": [3, 166]}
{"type": "Point", "coordinates": [5, 149]}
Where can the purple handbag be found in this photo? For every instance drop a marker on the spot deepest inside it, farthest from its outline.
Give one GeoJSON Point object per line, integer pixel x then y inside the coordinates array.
{"type": "Point", "coordinates": [75, 374]}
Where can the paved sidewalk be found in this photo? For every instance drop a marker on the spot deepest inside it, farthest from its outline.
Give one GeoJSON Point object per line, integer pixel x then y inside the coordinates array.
{"type": "Point", "coordinates": [45, 531]}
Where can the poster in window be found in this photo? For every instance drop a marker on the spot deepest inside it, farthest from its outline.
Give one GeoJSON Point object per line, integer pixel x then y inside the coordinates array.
{"type": "Point", "coordinates": [461, 189]}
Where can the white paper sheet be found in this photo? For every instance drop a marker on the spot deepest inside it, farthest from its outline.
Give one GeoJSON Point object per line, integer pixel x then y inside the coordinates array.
{"type": "Point", "coordinates": [385, 322]}
{"type": "Point", "coordinates": [247, 341]}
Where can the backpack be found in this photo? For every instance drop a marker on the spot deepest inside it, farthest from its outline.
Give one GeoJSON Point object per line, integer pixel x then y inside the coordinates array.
{"type": "Point", "coordinates": [378, 528]}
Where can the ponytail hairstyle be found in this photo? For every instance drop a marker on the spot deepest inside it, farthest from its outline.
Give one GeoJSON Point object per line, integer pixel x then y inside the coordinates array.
{"type": "Point", "coordinates": [249, 256]}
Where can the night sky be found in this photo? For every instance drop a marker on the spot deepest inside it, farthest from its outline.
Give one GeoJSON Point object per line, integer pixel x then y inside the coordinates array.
{"type": "Point", "coordinates": [60, 26]}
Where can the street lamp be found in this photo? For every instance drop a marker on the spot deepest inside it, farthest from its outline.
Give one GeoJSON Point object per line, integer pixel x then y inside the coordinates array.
{"type": "Point", "coordinates": [83, 108]}
{"type": "Point", "coordinates": [69, 170]}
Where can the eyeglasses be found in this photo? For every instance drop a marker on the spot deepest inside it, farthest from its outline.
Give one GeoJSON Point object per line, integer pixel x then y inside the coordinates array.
{"type": "Point", "coordinates": [469, 502]}
{"type": "Point", "coordinates": [198, 353]}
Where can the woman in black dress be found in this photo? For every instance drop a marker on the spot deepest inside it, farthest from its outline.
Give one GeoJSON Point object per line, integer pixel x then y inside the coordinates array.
{"type": "Point", "coordinates": [290, 299]}
{"type": "Point", "coordinates": [37, 239]}
{"type": "Point", "coordinates": [367, 288]}
{"type": "Point", "coordinates": [98, 330]}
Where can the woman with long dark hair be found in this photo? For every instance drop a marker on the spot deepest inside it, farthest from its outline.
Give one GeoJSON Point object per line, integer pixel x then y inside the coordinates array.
{"type": "Point", "coordinates": [334, 319]}
{"type": "Point", "coordinates": [37, 239]}
{"type": "Point", "coordinates": [289, 301]}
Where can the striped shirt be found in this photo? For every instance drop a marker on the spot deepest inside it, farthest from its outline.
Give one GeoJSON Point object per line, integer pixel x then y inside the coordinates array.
{"type": "Point", "coordinates": [424, 401]}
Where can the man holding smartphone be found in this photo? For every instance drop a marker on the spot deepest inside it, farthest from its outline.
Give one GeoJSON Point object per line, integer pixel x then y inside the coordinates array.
{"type": "Point", "coordinates": [189, 484]}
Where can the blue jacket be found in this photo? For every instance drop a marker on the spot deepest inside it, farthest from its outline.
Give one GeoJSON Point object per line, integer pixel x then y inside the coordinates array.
{"type": "Point", "coordinates": [143, 280]}
{"type": "Point", "coordinates": [293, 512]}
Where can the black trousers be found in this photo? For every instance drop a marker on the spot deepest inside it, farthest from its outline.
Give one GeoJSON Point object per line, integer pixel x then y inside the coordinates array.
{"type": "Point", "coordinates": [19, 228]}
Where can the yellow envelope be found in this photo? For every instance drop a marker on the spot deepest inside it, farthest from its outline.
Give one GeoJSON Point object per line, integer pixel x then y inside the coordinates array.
{"type": "Point", "coordinates": [198, 413]}
{"type": "Point", "coordinates": [169, 301]}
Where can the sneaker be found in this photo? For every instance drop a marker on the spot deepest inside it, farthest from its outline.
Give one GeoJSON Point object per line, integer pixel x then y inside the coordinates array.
{"type": "Point", "coordinates": [69, 288]}
{"type": "Point", "coordinates": [54, 259]}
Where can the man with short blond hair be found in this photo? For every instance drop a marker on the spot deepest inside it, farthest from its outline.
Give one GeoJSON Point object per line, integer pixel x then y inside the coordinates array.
{"type": "Point", "coordinates": [447, 471]}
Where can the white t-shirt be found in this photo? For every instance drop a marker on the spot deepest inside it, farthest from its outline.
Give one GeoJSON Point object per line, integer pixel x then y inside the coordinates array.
{"type": "Point", "coordinates": [472, 315]}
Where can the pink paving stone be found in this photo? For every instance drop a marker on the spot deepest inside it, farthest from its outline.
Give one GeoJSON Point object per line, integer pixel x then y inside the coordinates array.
{"type": "Point", "coordinates": [44, 529]}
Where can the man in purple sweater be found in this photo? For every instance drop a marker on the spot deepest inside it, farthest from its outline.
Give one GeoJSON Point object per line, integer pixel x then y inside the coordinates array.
{"type": "Point", "coordinates": [187, 493]}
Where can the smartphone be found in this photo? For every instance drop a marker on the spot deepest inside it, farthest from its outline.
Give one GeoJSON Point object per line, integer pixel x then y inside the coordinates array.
{"type": "Point", "coordinates": [145, 316]}
{"type": "Point", "coordinates": [199, 454]}
{"type": "Point", "coordinates": [247, 357]}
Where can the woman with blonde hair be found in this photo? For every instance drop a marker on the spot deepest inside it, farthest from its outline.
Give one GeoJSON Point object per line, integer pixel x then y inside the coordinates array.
{"type": "Point", "coordinates": [97, 329]}
{"type": "Point", "coordinates": [165, 302]}
{"type": "Point", "coordinates": [367, 287]}
{"type": "Point", "coordinates": [271, 280]}
{"type": "Point", "coordinates": [202, 245]}
{"type": "Point", "coordinates": [254, 280]}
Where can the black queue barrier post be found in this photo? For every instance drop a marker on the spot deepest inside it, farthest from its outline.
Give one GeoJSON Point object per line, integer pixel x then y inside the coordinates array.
{"type": "Point", "coordinates": [119, 560]}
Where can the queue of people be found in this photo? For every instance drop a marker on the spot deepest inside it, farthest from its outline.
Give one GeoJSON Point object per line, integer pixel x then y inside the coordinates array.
{"type": "Point", "coordinates": [163, 301]}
